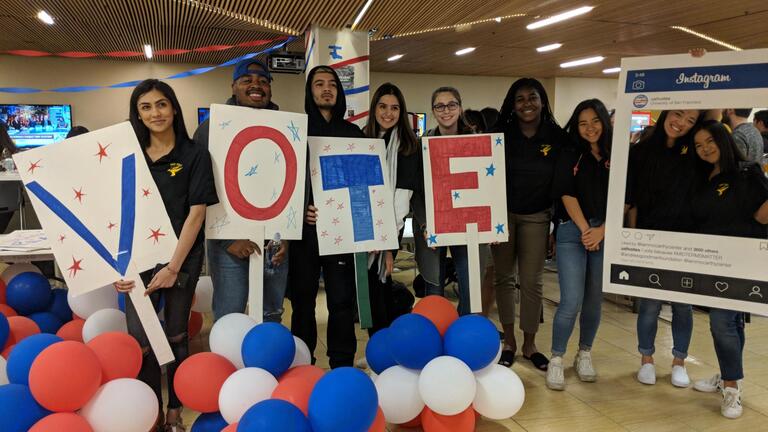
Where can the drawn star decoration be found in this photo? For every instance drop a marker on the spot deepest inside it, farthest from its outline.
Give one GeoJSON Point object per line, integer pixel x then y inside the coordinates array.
{"type": "Point", "coordinates": [294, 131]}
{"type": "Point", "coordinates": [500, 229]}
{"type": "Point", "coordinates": [75, 267]}
{"type": "Point", "coordinates": [111, 225]}
{"type": "Point", "coordinates": [432, 239]}
{"type": "Point", "coordinates": [33, 166]}
{"type": "Point", "coordinates": [145, 192]}
{"type": "Point", "coordinates": [102, 151]}
{"type": "Point", "coordinates": [156, 234]}
{"type": "Point", "coordinates": [337, 240]}
{"type": "Point", "coordinates": [490, 170]}
{"type": "Point", "coordinates": [79, 194]}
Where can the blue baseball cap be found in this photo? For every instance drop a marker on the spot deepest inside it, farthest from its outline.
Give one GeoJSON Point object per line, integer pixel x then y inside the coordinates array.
{"type": "Point", "coordinates": [241, 69]}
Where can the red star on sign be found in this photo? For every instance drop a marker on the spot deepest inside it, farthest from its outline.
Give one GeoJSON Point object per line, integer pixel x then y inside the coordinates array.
{"type": "Point", "coordinates": [380, 203]}
{"type": "Point", "coordinates": [350, 147]}
{"type": "Point", "coordinates": [102, 151]}
{"type": "Point", "coordinates": [61, 238]}
{"type": "Point", "coordinates": [324, 234]}
{"type": "Point", "coordinates": [329, 201]}
{"type": "Point", "coordinates": [145, 192]}
{"type": "Point", "coordinates": [340, 206]}
{"type": "Point", "coordinates": [73, 269]}
{"type": "Point", "coordinates": [383, 238]}
{"type": "Point", "coordinates": [337, 240]}
{"type": "Point", "coordinates": [327, 148]}
{"type": "Point", "coordinates": [371, 147]}
{"type": "Point", "coordinates": [156, 234]}
{"type": "Point", "coordinates": [335, 221]}
{"type": "Point", "coordinates": [33, 166]}
{"type": "Point", "coordinates": [79, 194]}
{"type": "Point", "coordinates": [111, 225]}
{"type": "Point", "coordinates": [379, 222]}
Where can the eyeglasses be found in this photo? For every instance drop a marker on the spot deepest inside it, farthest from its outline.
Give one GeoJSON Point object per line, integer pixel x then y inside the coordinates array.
{"type": "Point", "coordinates": [453, 106]}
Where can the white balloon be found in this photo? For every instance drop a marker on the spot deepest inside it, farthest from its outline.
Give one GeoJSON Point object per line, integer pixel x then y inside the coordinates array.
{"type": "Point", "coordinates": [84, 305]}
{"type": "Point", "coordinates": [122, 405]}
{"type": "Point", "coordinates": [302, 356]}
{"type": "Point", "coordinates": [15, 269]}
{"type": "Point", "coordinates": [447, 385]}
{"type": "Point", "coordinates": [3, 373]}
{"type": "Point", "coordinates": [104, 321]}
{"type": "Point", "coordinates": [399, 398]}
{"type": "Point", "coordinates": [500, 392]}
{"type": "Point", "coordinates": [244, 389]}
{"type": "Point", "coordinates": [203, 295]}
{"type": "Point", "coordinates": [227, 336]}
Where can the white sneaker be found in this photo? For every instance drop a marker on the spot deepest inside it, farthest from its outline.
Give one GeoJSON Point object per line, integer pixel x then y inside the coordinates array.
{"type": "Point", "coordinates": [556, 374]}
{"type": "Point", "coordinates": [680, 377]}
{"type": "Point", "coordinates": [647, 374]}
{"type": "Point", "coordinates": [362, 363]}
{"type": "Point", "coordinates": [731, 405]}
{"type": "Point", "coordinates": [710, 385]}
{"type": "Point", "coordinates": [584, 368]}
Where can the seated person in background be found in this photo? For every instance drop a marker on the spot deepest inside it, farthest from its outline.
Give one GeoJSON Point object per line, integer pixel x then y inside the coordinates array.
{"type": "Point", "coordinates": [77, 130]}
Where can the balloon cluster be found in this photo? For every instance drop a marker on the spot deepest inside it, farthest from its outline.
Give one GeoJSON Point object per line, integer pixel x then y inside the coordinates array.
{"type": "Point", "coordinates": [258, 378]}
{"type": "Point", "coordinates": [439, 370]}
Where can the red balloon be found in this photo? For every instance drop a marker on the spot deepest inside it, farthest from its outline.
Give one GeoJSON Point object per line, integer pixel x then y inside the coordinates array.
{"type": "Point", "coordinates": [438, 310]}
{"type": "Point", "coordinates": [21, 328]}
{"type": "Point", "coordinates": [379, 424]}
{"type": "Point", "coordinates": [72, 331]}
{"type": "Point", "coordinates": [295, 386]}
{"type": "Point", "coordinates": [119, 354]}
{"type": "Point", "coordinates": [195, 324]}
{"type": "Point", "coordinates": [199, 379]}
{"type": "Point", "coordinates": [7, 351]}
{"type": "Point", "coordinates": [7, 310]}
{"type": "Point", "coordinates": [58, 422]}
{"type": "Point", "coordinates": [231, 428]}
{"type": "Point", "coordinates": [2, 291]}
{"type": "Point", "coordinates": [416, 422]}
{"type": "Point", "coordinates": [65, 376]}
{"type": "Point", "coordinates": [462, 422]}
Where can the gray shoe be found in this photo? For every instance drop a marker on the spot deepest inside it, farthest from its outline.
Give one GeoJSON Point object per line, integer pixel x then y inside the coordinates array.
{"type": "Point", "coordinates": [556, 374]}
{"type": "Point", "coordinates": [584, 367]}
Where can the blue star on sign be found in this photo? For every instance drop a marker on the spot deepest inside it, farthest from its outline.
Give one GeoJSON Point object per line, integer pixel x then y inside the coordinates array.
{"type": "Point", "coordinates": [489, 171]}
{"type": "Point", "coordinates": [500, 229]}
{"type": "Point", "coordinates": [432, 239]}
{"type": "Point", "coordinates": [254, 170]}
{"type": "Point", "coordinates": [498, 141]}
{"type": "Point", "coordinates": [294, 131]}
{"type": "Point", "coordinates": [425, 148]}
{"type": "Point", "coordinates": [456, 195]}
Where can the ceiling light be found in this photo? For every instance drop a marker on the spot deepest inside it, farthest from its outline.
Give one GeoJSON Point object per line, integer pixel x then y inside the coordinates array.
{"type": "Point", "coordinates": [361, 13]}
{"type": "Point", "coordinates": [497, 19]}
{"type": "Point", "coordinates": [550, 47]}
{"type": "Point", "coordinates": [581, 62]}
{"type": "Point", "coordinates": [612, 70]}
{"type": "Point", "coordinates": [44, 17]}
{"type": "Point", "coordinates": [148, 51]}
{"type": "Point", "coordinates": [395, 57]}
{"type": "Point", "coordinates": [559, 17]}
{"type": "Point", "coordinates": [707, 38]}
{"type": "Point", "coordinates": [465, 51]}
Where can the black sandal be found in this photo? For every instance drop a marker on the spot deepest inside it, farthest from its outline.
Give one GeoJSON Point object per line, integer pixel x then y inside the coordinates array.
{"type": "Point", "coordinates": [539, 361]}
{"type": "Point", "coordinates": [507, 358]}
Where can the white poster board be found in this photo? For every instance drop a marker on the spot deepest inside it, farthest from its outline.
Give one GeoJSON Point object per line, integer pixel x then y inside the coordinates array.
{"type": "Point", "coordinates": [100, 208]}
{"type": "Point", "coordinates": [715, 271]}
{"type": "Point", "coordinates": [350, 185]}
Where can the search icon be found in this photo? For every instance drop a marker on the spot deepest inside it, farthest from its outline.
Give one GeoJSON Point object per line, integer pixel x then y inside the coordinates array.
{"type": "Point", "coordinates": [654, 279]}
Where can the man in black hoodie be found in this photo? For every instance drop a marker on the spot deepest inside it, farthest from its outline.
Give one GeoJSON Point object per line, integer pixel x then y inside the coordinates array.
{"type": "Point", "coordinates": [325, 105]}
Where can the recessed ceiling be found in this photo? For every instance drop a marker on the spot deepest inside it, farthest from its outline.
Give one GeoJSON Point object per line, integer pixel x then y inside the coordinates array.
{"type": "Point", "coordinates": [614, 29]}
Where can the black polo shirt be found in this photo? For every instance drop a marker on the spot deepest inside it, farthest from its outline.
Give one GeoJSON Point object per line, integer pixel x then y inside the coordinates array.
{"type": "Point", "coordinates": [660, 183]}
{"type": "Point", "coordinates": [184, 178]}
{"type": "Point", "coordinates": [580, 175]}
{"type": "Point", "coordinates": [726, 203]}
{"type": "Point", "coordinates": [530, 165]}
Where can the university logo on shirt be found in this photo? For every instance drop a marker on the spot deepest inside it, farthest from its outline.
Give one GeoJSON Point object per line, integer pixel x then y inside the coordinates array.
{"type": "Point", "coordinates": [175, 168]}
{"type": "Point", "coordinates": [721, 188]}
{"type": "Point", "coordinates": [684, 150]}
{"type": "Point", "coordinates": [544, 149]}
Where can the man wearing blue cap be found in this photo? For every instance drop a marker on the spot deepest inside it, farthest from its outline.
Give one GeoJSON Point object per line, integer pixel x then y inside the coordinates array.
{"type": "Point", "coordinates": [228, 259]}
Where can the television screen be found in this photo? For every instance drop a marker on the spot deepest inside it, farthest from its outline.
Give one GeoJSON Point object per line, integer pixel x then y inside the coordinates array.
{"type": "Point", "coordinates": [203, 114]}
{"type": "Point", "coordinates": [640, 119]}
{"type": "Point", "coordinates": [36, 125]}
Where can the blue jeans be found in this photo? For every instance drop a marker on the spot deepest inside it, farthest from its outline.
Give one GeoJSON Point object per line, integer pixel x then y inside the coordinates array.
{"type": "Point", "coordinates": [580, 273]}
{"type": "Point", "coordinates": [727, 329]}
{"type": "Point", "coordinates": [648, 323]}
{"type": "Point", "coordinates": [459, 255]}
{"type": "Point", "coordinates": [230, 283]}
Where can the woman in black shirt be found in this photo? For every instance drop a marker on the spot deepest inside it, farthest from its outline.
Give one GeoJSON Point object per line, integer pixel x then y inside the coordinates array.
{"type": "Point", "coordinates": [184, 177]}
{"type": "Point", "coordinates": [731, 199]}
{"type": "Point", "coordinates": [580, 188]}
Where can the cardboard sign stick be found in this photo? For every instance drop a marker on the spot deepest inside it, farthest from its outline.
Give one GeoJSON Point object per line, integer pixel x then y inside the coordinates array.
{"type": "Point", "coordinates": [363, 292]}
{"type": "Point", "coordinates": [256, 278]}
{"type": "Point", "coordinates": [149, 320]}
{"type": "Point", "coordinates": [473, 258]}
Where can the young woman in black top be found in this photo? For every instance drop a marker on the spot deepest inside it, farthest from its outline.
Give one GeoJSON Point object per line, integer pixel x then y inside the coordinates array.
{"type": "Point", "coordinates": [580, 190]}
{"type": "Point", "coordinates": [661, 174]}
{"type": "Point", "coordinates": [533, 140]}
{"type": "Point", "coordinates": [730, 199]}
{"type": "Point", "coordinates": [184, 177]}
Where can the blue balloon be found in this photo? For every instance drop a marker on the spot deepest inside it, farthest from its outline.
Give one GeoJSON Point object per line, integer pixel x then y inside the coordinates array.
{"type": "Point", "coordinates": [273, 415]}
{"type": "Point", "coordinates": [48, 322]}
{"type": "Point", "coordinates": [269, 346]}
{"type": "Point", "coordinates": [377, 352]}
{"type": "Point", "coordinates": [414, 341]}
{"type": "Point", "coordinates": [209, 422]}
{"type": "Point", "coordinates": [60, 306]}
{"type": "Point", "coordinates": [5, 330]}
{"type": "Point", "coordinates": [24, 354]}
{"type": "Point", "coordinates": [18, 409]}
{"type": "Point", "coordinates": [472, 339]}
{"type": "Point", "coordinates": [344, 399]}
{"type": "Point", "coordinates": [28, 293]}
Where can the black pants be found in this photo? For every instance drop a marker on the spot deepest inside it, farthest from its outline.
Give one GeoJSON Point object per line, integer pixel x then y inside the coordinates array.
{"type": "Point", "coordinates": [178, 304]}
{"type": "Point", "coordinates": [382, 303]}
{"type": "Point", "coordinates": [303, 284]}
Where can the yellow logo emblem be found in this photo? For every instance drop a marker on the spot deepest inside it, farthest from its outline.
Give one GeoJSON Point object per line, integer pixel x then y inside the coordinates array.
{"type": "Point", "coordinates": [684, 150]}
{"type": "Point", "coordinates": [175, 168]}
{"type": "Point", "coordinates": [544, 149]}
{"type": "Point", "coordinates": [721, 188]}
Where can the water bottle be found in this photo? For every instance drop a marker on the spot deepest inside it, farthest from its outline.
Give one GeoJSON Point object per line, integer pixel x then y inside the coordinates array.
{"type": "Point", "coordinates": [272, 247]}
{"type": "Point", "coordinates": [7, 160]}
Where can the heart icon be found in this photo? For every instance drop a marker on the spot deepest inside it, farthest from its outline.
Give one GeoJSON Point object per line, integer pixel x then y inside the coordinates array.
{"type": "Point", "coordinates": [625, 234]}
{"type": "Point", "coordinates": [721, 286]}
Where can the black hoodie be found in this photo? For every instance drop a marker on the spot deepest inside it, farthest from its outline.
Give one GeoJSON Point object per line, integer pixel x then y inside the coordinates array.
{"type": "Point", "coordinates": [317, 126]}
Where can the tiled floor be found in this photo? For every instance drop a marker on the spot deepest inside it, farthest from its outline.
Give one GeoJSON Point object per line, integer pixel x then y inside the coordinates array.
{"type": "Point", "coordinates": [616, 402]}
